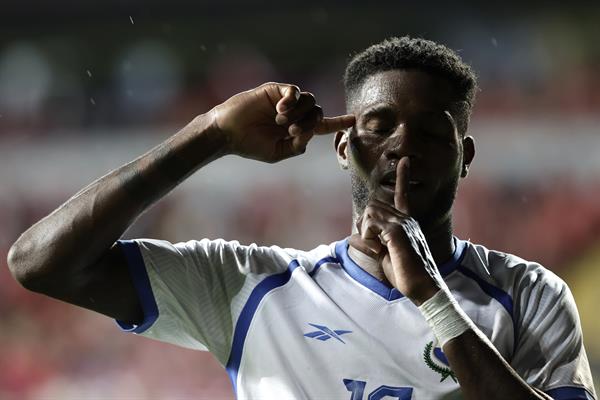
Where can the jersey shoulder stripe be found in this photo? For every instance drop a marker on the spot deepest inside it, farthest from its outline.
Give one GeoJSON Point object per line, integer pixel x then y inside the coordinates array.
{"type": "Point", "coordinates": [493, 291]}
{"type": "Point", "coordinates": [570, 393]}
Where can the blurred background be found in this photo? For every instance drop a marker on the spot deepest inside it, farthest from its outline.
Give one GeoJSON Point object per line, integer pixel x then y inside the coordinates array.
{"type": "Point", "coordinates": [87, 86]}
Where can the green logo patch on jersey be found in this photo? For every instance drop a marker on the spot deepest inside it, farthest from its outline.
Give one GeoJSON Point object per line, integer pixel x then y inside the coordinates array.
{"type": "Point", "coordinates": [436, 360]}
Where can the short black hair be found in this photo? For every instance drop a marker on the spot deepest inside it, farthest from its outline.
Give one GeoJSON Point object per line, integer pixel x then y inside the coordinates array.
{"type": "Point", "coordinates": [405, 53]}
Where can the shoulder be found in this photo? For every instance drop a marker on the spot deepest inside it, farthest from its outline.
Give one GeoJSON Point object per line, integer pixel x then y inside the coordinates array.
{"type": "Point", "coordinates": [246, 258]}
{"type": "Point", "coordinates": [513, 274]}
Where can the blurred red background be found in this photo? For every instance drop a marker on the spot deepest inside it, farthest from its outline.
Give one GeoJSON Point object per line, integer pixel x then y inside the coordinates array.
{"type": "Point", "coordinates": [85, 87]}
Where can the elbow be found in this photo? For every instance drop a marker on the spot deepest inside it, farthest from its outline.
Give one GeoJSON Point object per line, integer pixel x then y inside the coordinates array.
{"type": "Point", "coordinates": [21, 265]}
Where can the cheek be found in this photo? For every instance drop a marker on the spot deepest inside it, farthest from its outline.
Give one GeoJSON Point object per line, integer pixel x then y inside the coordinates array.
{"type": "Point", "coordinates": [365, 151]}
{"type": "Point", "coordinates": [446, 168]}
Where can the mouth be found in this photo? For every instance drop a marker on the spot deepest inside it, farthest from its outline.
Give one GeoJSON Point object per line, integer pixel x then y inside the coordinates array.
{"type": "Point", "coordinates": [389, 182]}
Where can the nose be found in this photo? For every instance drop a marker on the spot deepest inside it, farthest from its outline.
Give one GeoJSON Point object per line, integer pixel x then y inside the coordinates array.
{"type": "Point", "coordinates": [402, 143]}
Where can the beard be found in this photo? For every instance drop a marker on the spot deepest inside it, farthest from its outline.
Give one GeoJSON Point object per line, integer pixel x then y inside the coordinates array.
{"type": "Point", "coordinates": [428, 216]}
{"type": "Point", "coordinates": [360, 193]}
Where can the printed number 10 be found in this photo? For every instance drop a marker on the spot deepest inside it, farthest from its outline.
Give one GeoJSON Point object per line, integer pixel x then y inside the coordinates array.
{"type": "Point", "coordinates": [358, 389]}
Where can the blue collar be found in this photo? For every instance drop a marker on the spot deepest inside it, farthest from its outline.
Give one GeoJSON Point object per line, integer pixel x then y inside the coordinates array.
{"type": "Point", "coordinates": [375, 285]}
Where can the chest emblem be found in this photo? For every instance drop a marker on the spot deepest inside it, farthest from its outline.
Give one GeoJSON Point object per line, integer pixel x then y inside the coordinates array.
{"type": "Point", "coordinates": [324, 333]}
{"type": "Point", "coordinates": [436, 360]}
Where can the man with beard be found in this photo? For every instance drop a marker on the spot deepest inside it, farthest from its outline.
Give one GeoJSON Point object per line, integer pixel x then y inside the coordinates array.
{"type": "Point", "coordinates": [401, 309]}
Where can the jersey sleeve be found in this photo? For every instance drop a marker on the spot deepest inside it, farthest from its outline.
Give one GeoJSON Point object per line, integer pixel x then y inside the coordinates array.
{"type": "Point", "coordinates": [187, 290]}
{"type": "Point", "coordinates": [549, 352]}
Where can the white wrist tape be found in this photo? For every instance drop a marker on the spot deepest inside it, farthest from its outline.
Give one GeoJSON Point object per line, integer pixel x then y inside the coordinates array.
{"type": "Point", "coordinates": [445, 317]}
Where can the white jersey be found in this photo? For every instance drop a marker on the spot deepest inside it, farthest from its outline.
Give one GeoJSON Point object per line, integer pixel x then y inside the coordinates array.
{"type": "Point", "coordinates": [289, 324]}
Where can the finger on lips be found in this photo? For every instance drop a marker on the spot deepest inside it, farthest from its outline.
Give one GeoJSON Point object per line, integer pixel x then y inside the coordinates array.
{"type": "Point", "coordinates": [402, 185]}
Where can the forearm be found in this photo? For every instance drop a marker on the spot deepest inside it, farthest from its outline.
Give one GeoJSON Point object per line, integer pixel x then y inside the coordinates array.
{"type": "Point", "coordinates": [103, 210]}
{"type": "Point", "coordinates": [482, 372]}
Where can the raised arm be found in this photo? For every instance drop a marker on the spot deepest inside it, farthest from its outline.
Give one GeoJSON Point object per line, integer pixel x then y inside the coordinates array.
{"type": "Point", "coordinates": [71, 254]}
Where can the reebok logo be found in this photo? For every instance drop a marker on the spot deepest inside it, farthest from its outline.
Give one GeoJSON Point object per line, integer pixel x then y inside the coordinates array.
{"type": "Point", "coordinates": [324, 333]}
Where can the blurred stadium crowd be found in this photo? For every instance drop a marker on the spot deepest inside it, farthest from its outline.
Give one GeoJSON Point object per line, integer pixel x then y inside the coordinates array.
{"type": "Point", "coordinates": [84, 91]}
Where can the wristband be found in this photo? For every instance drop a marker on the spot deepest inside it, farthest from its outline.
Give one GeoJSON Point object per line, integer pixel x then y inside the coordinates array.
{"type": "Point", "coordinates": [445, 317]}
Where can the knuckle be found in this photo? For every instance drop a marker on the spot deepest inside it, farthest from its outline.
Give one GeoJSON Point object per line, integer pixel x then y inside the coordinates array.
{"type": "Point", "coordinates": [294, 90]}
{"type": "Point", "coordinates": [395, 220]}
{"type": "Point", "coordinates": [309, 97]}
{"type": "Point", "coordinates": [269, 84]}
{"type": "Point", "coordinates": [319, 111]}
{"type": "Point", "coordinates": [372, 205]}
{"type": "Point", "coordinates": [370, 224]}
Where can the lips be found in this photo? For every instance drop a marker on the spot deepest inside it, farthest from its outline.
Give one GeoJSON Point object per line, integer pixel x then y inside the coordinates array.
{"type": "Point", "coordinates": [389, 180]}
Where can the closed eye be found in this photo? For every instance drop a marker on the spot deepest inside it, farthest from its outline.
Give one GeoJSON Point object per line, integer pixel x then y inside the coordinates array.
{"type": "Point", "coordinates": [380, 131]}
{"type": "Point", "coordinates": [379, 127]}
{"type": "Point", "coordinates": [379, 120]}
{"type": "Point", "coordinates": [436, 126]}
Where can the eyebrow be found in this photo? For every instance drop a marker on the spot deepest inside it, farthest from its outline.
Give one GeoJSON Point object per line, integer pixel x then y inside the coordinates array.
{"type": "Point", "coordinates": [380, 110]}
{"type": "Point", "coordinates": [377, 111]}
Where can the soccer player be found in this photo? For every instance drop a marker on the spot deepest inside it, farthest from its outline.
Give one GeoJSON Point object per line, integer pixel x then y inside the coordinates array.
{"type": "Point", "coordinates": [401, 309]}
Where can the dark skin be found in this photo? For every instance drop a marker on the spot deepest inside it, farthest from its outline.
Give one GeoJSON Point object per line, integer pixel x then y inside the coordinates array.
{"type": "Point", "coordinates": [270, 123]}
{"type": "Point", "coordinates": [392, 110]}
{"type": "Point", "coordinates": [403, 120]}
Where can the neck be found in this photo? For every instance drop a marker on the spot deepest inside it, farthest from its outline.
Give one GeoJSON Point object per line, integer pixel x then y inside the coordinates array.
{"type": "Point", "coordinates": [440, 242]}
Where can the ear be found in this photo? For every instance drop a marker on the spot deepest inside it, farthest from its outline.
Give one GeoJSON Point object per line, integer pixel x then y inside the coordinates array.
{"type": "Point", "coordinates": [341, 148]}
{"type": "Point", "coordinates": [468, 154]}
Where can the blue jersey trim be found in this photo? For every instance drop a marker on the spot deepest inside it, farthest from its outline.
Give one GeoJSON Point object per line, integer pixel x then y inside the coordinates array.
{"type": "Point", "coordinates": [570, 393]}
{"type": "Point", "coordinates": [243, 323]}
{"type": "Point", "coordinates": [495, 292]}
{"type": "Point", "coordinates": [247, 313]}
{"type": "Point", "coordinates": [377, 286]}
{"type": "Point", "coordinates": [326, 260]}
{"type": "Point", "coordinates": [141, 282]}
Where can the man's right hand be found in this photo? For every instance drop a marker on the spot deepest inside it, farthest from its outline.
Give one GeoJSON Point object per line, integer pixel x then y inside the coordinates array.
{"type": "Point", "coordinates": [273, 122]}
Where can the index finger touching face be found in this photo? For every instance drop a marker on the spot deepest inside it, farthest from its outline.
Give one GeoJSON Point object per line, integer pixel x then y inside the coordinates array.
{"type": "Point", "coordinates": [402, 186]}
{"type": "Point", "coordinates": [334, 124]}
